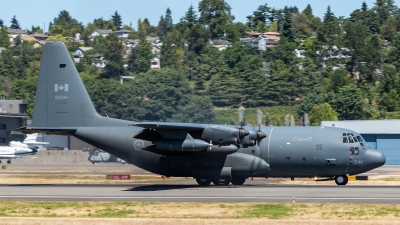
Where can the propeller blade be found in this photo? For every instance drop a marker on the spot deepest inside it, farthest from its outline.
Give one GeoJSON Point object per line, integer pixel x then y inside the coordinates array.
{"type": "Point", "coordinates": [260, 115]}
{"type": "Point", "coordinates": [241, 114]}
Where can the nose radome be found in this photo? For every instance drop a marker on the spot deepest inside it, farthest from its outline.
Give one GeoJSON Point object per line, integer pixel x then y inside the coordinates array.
{"type": "Point", "coordinates": [374, 158]}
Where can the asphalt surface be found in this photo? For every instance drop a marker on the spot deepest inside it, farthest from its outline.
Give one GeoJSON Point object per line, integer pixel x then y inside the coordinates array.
{"type": "Point", "coordinates": [187, 190]}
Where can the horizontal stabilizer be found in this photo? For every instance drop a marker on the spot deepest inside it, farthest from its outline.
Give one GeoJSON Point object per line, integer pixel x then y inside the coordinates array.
{"type": "Point", "coordinates": [46, 130]}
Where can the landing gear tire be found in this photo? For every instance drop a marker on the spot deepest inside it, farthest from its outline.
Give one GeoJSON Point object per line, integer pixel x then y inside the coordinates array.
{"type": "Point", "coordinates": [238, 180]}
{"type": "Point", "coordinates": [9, 161]}
{"type": "Point", "coordinates": [203, 181]}
{"type": "Point", "coordinates": [220, 181]}
{"type": "Point", "coordinates": [341, 180]}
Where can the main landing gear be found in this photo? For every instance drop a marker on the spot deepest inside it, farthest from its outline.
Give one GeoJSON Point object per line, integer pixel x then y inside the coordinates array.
{"type": "Point", "coordinates": [221, 181]}
{"type": "Point", "coordinates": [341, 180]}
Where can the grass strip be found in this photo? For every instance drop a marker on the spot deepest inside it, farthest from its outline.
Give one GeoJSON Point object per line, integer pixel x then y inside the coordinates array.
{"type": "Point", "coordinates": [179, 210]}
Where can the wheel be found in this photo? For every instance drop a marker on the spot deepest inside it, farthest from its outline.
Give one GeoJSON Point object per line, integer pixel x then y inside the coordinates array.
{"type": "Point", "coordinates": [238, 180]}
{"type": "Point", "coordinates": [341, 180]}
{"type": "Point", "coordinates": [9, 161]}
{"type": "Point", "coordinates": [220, 181]}
{"type": "Point", "coordinates": [203, 181]}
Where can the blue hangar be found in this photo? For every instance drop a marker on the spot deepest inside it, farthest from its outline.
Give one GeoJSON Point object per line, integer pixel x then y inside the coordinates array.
{"type": "Point", "coordinates": [383, 135]}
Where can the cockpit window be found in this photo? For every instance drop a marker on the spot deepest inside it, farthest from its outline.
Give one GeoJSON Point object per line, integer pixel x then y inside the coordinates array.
{"type": "Point", "coordinates": [361, 141]}
{"type": "Point", "coordinates": [351, 138]}
{"type": "Point", "coordinates": [345, 140]}
{"type": "Point", "coordinates": [354, 138]}
{"type": "Point", "coordinates": [354, 151]}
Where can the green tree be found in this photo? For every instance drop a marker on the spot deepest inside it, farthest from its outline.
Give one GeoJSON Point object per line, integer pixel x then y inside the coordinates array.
{"type": "Point", "coordinates": [114, 67]}
{"type": "Point", "coordinates": [330, 31]}
{"type": "Point", "coordinates": [168, 20]}
{"type": "Point", "coordinates": [157, 95]}
{"type": "Point", "coordinates": [65, 25]}
{"type": "Point", "coordinates": [117, 20]}
{"type": "Point", "coordinates": [99, 44]}
{"type": "Point", "coordinates": [165, 24]}
{"type": "Point", "coordinates": [384, 9]}
{"type": "Point", "coordinates": [224, 89]}
{"type": "Point", "coordinates": [338, 79]}
{"type": "Point", "coordinates": [173, 45]}
{"type": "Point", "coordinates": [197, 38]}
{"type": "Point", "coordinates": [59, 37]}
{"type": "Point", "coordinates": [390, 101]}
{"type": "Point", "coordinates": [14, 23]}
{"type": "Point", "coordinates": [308, 12]}
{"type": "Point", "coordinates": [393, 56]}
{"type": "Point", "coordinates": [322, 112]}
{"type": "Point", "coordinates": [287, 25]}
{"type": "Point", "coordinates": [273, 27]}
{"type": "Point", "coordinates": [190, 19]}
{"type": "Point", "coordinates": [198, 110]}
{"type": "Point", "coordinates": [4, 39]}
{"type": "Point", "coordinates": [214, 13]}
{"type": "Point", "coordinates": [301, 25]}
{"type": "Point", "coordinates": [1, 23]}
{"type": "Point", "coordinates": [390, 79]}
{"type": "Point", "coordinates": [139, 60]}
{"type": "Point", "coordinates": [349, 103]}
{"type": "Point", "coordinates": [260, 16]}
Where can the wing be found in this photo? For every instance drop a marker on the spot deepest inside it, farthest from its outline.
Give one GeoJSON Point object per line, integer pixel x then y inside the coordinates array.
{"type": "Point", "coordinates": [187, 138]}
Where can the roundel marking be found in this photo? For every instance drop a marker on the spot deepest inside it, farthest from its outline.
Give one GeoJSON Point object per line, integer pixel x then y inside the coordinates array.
{"type": "Point", "coordinates": [138, 144]}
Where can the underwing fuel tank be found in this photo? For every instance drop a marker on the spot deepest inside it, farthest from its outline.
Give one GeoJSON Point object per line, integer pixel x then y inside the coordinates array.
{"type": "Point", "coordinates": [181, 145]}
{"type": "Point", "coordinates": [248, 165]}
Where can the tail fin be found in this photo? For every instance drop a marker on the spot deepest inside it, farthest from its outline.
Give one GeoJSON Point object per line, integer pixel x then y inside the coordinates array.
{"type": "Point", "coordinates": [61, 98]}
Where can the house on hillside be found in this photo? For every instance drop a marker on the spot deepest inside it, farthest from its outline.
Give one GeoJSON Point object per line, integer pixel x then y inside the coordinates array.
{"type": "Point", "coordinates": [80, 53]}
{"type": "Point", "coordinates": [99, 61]}
{"type": "Point", "coordinates": [39, 44]}
{"type": "Point", "coordinates": [14, 33]}
{"type": "Point", "coordinates": [99, 32]}
{"type": "Point", "coordinates": [155, 62]}
{"type": "Point", "coordinates": [123, 34]}
{"type": "Point", "coordinates": [17, 31]}
{"type": "Point", "coordinates": [299, 53]}
{"type": "Point", "coordinates": [26, 38]}
{"type": "Point", "coordinates": [39, 37]}
{"type": "Point", "coordinates": [220, 44]}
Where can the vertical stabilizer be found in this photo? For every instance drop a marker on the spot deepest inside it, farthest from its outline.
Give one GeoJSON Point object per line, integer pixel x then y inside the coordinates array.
{"type": "Point", "coordinates": [61, 97]}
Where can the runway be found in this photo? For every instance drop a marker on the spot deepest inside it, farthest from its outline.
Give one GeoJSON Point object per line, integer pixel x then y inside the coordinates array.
{"type": "Point", "coordinates": [188, 191]}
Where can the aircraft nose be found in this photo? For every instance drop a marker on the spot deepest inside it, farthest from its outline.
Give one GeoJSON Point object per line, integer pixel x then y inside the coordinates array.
{"type": "Point", "coordinates": [374, 158]}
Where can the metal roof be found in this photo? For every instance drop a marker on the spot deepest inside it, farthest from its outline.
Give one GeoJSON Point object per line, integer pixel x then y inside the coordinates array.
{"type": "Point", "coordinates": [13, 115]}
{"type": "Point", "coordinates": [367, 126]}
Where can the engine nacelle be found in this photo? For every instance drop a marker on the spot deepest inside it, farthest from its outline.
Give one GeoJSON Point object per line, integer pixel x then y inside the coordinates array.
{"type": "Point", "coordinates": [248, 165]}
{"type": "Point", "coordinates": [223, 135]}
{"type": "Point", "coordinates": [252, 138]}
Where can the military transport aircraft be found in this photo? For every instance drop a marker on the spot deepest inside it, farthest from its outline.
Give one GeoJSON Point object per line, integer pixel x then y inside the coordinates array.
{"type": "Point", "coordinates": [221, 154]}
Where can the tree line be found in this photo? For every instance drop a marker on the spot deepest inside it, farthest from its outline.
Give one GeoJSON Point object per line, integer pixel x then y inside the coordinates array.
{"type": "Point", "coordinates": [349, 68]}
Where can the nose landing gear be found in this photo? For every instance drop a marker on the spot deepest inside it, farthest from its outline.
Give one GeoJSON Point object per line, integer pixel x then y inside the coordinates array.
{"type": "Point", "coordinates": [341, 180]}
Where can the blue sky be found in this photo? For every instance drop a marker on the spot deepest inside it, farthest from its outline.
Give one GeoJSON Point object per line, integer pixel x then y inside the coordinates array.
{"type": "Point", "coordinates": [41, 12]}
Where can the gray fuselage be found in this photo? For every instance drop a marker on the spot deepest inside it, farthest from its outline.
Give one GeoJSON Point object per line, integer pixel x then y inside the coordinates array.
{"type": "Point", "coordinates": [290, 152]}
